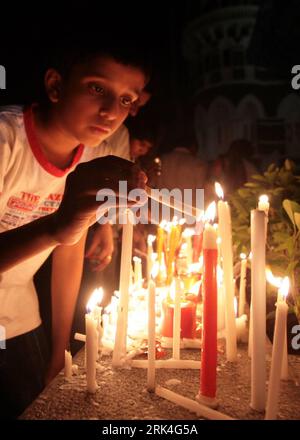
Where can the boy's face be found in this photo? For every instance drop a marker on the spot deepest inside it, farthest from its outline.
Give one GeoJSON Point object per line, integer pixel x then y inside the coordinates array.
{"type": "Point", "coordinates": [96, 98]}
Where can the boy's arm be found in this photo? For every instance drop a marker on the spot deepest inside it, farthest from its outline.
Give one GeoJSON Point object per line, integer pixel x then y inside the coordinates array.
{"type": "Point", "coordinates": [21, 243]}
{"type": "Point", "coordinates": [67, 264]}
{"type": "Point", "coordinates": [75, 214]}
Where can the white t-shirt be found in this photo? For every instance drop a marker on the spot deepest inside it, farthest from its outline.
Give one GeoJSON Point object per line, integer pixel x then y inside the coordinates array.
{"type": "Point", "coordinates": [31, 187]}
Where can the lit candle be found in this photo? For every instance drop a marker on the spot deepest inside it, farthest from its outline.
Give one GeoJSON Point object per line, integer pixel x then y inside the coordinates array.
{"type": "Point", "coordinates": [225, 232]}
{"type": "Point", "coordinates": [278, 282]}
{"type": "Point", "coordinates": [91, 345]}
{"type": "Point", "coordinates": [125, 273]}
{"type": "Point", "coordinates": [277, 353]}
{"type": "Point", "coordinates": [208, 373]}
{"type": "Point", "coordinates": [68, 365]}
{"type": "Point", "coordinates": [243, 275]}
{"type": "Point", "coordinates": [258, 302]}
{"type": "Point", "coordinates": [151, 337]}
{"type": "Point", "coordinates": [93, 304]}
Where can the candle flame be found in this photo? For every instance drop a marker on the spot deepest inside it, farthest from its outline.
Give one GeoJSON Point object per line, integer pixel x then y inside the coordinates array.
{"type": "Point", "coordinates": [210, 212]}
{"type": "Point", "coordinates": [136, 259]}
{"type": "Point", "coordinates": [243, 256]}
{"type": "Point", "coordinates": [95, 299]}
{"type": "Point", "coordinates": [219, 190]}
{"type": "Point", "coordinates": [264, 198]}
{"type": "Point", "coordinates": [188, 232]}
{"type": "Point", "coordinates": [151, 239]}
{"type": "Point", "coordinates": [163, 224]}
{"type": "Point", "coordinates": [285, 287]}
{"type": "Point", "coordinates": [275, 281]}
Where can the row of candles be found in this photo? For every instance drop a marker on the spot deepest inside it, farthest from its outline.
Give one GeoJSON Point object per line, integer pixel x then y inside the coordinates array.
{"type": "Point", "coordinates": [215, 294]}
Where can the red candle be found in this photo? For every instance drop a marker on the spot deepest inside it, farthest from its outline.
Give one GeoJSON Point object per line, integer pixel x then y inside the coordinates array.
{"type": "Point", "coordinates": [188, 319]}
{"type": "Point", "coordinates": [209, 340]}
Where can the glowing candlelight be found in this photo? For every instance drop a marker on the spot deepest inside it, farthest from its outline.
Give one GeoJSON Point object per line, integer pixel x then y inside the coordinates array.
{"type": "Point", "coordinates": [121, 330]}
{"type": "Point", "coordinates": [283, 286]}
{"type": "Point", "coordinates": [263, 203]}
{"type": "Point", "coordinates": [277, 352]}
{"type": "Point", "coordinates": [227, 261]}
{"type": "Point", "coordinates": [91, 343]}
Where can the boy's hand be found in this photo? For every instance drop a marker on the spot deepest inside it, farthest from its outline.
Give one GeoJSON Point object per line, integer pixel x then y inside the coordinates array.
{"type": "Point", "coordinates": [78, 208]}
{"type": "Point", "coordinates": [101, 247]}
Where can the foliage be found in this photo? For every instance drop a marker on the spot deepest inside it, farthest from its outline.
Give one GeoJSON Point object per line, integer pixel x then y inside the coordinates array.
{"type": "Point", "coordinates": [282, 186]}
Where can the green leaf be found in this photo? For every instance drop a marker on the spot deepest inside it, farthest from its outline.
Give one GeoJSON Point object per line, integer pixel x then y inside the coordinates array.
{"type": "Point", "coordinates": [252, 185]}
{"type": "Point", "coordinates": [258, 177]}
{"type": "Point", "coordinates": [297, 219]}
{"type": "Point", "coordinates": [288, 207]}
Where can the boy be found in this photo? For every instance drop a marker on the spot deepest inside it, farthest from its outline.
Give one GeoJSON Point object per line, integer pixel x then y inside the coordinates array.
{"type": "Point", "coordinates": [89, 95]}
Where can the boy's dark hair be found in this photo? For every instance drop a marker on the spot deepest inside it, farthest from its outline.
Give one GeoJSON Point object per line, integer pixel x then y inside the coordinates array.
{"type": "Point", "coordinates": [74, 45]}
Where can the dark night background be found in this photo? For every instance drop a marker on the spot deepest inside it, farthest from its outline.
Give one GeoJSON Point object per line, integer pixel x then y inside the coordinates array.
{"type": "Point", "coordinates": [184, 39]}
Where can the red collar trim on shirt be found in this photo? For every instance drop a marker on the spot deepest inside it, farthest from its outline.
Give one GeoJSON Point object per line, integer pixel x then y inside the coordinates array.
{"type": "Point", "coordinates": [38, 153]}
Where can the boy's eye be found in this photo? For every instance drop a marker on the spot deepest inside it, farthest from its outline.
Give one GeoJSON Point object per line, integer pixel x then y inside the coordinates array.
{"type": "Point", "coordinates": [96, 89]}
{"type": "Point", "coordinates": [126, 101]}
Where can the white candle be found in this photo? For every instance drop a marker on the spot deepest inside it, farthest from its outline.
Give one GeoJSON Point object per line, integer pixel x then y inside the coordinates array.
{"type": "Point", "coordinates": [96, 310]}
{"type": "Point", "coordinates": [221, 299]}
{"type": "Point", "coordinates": [177, 320]}
{"type": "Point", "coordinates": [278, 282]}
{"type": "Point", "coordinates": [242, 296]}
{"type": "Point", "coordinates": [250, 339]}
{"type": "Point", "coordinates": [277, 356]}
{"type": "Point", "coordinates": [224, 217]}
{"type": "Point", "coordinates": [125, 273]}
{"type": "Point", "coordinates": [91, 345]}
{"type": "Point", "coordinates": [151, 337]}
{"type": "Point", "coordinates": [258, 301]}
{"type": "Point", "coordinates": [68, 365]}
{"type": "Point", "coordinates": [282, 293]}
{"type": "Point", "coordinates": [191, 405]}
